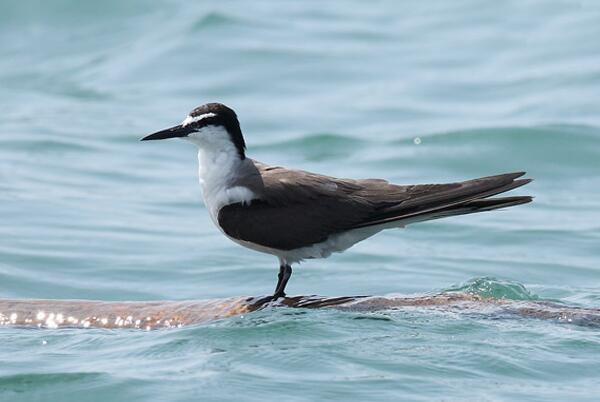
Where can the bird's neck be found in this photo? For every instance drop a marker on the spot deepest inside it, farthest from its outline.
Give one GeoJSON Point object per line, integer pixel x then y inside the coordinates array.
{"type": "Point", "coordinates": [217, 168]}
{"type": "Point", "coordinates": [219, 174]}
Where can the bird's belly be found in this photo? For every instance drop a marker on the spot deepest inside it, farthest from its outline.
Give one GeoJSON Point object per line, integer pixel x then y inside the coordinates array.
{"type": "Point", "coordinates": [256, 247]}
{"type": "Point", "coordinates": [335, 243]}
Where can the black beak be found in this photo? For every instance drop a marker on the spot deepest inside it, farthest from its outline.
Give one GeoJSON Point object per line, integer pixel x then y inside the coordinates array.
{"type": "Point", "coordinates": [173, 132]}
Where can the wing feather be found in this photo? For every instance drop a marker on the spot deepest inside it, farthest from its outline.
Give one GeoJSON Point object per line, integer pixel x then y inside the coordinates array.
{"type": "Point", "coordinates": [296, 208]}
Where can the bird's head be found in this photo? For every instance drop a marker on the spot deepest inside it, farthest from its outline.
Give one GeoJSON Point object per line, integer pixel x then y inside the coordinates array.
{"type": "Point", "coordinates": [212, 126]}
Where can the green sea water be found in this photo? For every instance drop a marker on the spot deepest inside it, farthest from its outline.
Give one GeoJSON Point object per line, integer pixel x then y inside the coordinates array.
{"type": "Point", "coordinates": [412, 92]}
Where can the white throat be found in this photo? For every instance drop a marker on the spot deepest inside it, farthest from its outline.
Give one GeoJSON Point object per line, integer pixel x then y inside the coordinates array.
{"type": "Point", "coordinates": [219, 165]}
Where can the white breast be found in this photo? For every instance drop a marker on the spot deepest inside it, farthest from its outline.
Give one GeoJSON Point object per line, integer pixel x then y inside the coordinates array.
{"type": "Point", "coordinates": [218, 167]}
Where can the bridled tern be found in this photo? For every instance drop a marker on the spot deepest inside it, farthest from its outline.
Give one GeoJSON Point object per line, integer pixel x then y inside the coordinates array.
{"type": "Point", "coordinates": [296, 215]}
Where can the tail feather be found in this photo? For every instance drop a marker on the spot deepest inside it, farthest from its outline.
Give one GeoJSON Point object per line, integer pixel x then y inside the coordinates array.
{"type": "Point", "coordinates": [495, 203]}
{"type": "Point", "coordinates": [464, 198]}
{"type": "Point", "coordinates": [472, 207]}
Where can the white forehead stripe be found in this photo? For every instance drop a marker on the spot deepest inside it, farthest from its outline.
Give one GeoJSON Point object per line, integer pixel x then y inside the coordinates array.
{"type": "Point", "coordinates": [193, 119]}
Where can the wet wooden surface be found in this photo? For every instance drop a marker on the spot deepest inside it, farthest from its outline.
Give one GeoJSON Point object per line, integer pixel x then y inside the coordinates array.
{"type": "Point", "coordinates": [175, 314]}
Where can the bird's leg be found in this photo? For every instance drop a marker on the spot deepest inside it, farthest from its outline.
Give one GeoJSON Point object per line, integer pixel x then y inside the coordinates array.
{"type": "Point", "coordinates": [285, 272]}
{"type": "Point", "coordinates": [280, 277]}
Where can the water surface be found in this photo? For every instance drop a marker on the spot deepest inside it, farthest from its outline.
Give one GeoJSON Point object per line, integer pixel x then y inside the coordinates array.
{"type": "Point", "coordinates": [411, 92]}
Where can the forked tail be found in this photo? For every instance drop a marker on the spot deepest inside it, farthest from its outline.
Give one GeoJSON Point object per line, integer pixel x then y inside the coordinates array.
{"type": "Point", "coordinates": [434, 202]}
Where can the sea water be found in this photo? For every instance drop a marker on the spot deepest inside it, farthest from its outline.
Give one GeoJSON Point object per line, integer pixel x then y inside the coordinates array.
{"type": "Point", "coordinates": [413, 92]}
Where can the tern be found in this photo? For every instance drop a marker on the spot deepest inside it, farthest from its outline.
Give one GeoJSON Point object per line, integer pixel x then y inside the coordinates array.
{"type": "Point", "coordinates": [297, 215]}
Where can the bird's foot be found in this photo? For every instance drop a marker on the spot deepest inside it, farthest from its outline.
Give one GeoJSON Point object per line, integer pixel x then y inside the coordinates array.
{"type": "Point", "coordinates": [258, 303]}
{"type": "Point", "coordinates": [277, 295]}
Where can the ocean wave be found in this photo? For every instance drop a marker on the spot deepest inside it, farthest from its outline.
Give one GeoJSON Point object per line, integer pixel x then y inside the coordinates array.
{"type": "Point", "coordinates": [494, 288]}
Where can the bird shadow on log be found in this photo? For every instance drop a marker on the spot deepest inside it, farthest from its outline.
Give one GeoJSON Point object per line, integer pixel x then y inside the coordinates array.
{"type": "Point", "coordinates": [175, 314]}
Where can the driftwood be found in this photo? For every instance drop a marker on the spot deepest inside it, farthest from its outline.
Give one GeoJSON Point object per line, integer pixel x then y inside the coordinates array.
{"type": "Point", "coordinates": [174, 314]}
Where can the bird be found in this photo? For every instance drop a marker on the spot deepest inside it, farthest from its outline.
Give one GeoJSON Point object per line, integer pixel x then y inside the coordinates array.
{"type": "Point", "coordinates": [296, 215]}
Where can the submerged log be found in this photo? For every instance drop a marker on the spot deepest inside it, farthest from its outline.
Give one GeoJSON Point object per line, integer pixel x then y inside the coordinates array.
{"type": "Point", "coordinates": [174, 314]}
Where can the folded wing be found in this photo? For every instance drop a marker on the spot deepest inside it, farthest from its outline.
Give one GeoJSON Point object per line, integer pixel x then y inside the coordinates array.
{"type": "Point", "coordinates": [296, 209]}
